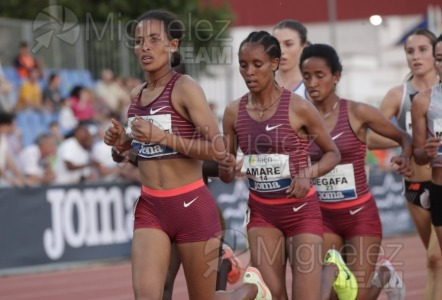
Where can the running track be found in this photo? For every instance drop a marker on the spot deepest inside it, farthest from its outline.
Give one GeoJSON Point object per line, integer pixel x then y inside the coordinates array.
{"type": "Point", "coordinates": [112, 281]}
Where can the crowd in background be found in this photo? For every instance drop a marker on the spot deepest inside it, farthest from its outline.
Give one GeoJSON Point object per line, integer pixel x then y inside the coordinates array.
{"type": "Point", "coordinates": [48, 138]}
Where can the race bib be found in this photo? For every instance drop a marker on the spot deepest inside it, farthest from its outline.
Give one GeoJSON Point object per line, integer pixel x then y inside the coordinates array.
{"type": "Point", "coordinates": [408, 126]}
{"type": "Point", "coordinates": [150, 150]}
{"type": "Point", "coordinates": [267, 172]}
{"type": "Point", "coordinates": [337, 185]}
{"type": "Point", "coordinates": [247, 217]}
{"type": "Point", "coordinates": [437, 128]}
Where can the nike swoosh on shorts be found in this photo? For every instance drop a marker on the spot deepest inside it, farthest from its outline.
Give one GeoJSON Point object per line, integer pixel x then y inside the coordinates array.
{"type": "Point", "coordinates": [296, 209]}
{"type": "Point", "coordinates": [353, 212]}
{"type": "Point", "coordinates": [187, 204]}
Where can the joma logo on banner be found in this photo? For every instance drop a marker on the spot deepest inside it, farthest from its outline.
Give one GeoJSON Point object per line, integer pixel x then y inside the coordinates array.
{"type": "Point", "coordinates": [88, 217]}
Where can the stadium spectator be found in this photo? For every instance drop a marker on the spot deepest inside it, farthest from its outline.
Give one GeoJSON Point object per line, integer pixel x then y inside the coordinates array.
{"type": "Point", "coordinates": [24, 62]}
{"type": "Point", "coordinates": [37, 160]}
{"type": "Point", "coordinates": [7, 102]}
{"type": "Point", "coordinates": [111, 93]}
{"type": "Point", "coordinates": [52, 95]}
{"type": "Point", "coordinates": [10, 174]}
{"type": "Point", "coordinates": [82, 103]}
{"type": "Point", "coordinates": [29, 94]}
{"type": "Point", "coordinates": [73, 163]}
{"type": "Point", "coordinates": [66, 118]}
{"type": "Point", "coordinates": [56, 132]}
{"type": "Point", "coordinates": [107, 168]}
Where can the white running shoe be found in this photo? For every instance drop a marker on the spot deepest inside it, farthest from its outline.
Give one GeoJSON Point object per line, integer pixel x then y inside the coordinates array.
{"type": "Point", "coordinates": [395, 287]}
{"type": "Point", "coordinates": [253, 276]}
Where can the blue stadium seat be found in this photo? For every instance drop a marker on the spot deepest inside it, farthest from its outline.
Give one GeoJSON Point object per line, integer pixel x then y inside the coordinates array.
{"type": "Point", "coordinates": [11, 74]}
{"type": "Point", "coordinates": [31, 123]}
{"type": "Point", "coordinates": [71, 78]}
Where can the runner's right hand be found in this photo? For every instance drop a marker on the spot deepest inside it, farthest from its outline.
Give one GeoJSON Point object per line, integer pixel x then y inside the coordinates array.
{"type": "Point", "coordinates": [114, 134]}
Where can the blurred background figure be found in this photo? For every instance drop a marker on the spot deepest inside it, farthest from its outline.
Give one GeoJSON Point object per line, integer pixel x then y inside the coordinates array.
{"type": "Point", "coordinates": [10, 174]}
{"type": "Point", "coordinates": [214, 109]}
{"type": "Point", "coordinates": [37, 160]}
{"type": "Point", "coordinates": [29, 94]}
{"type": "Point", "coordinates": [56, 133]}
{"type": "Point", "coordinates": [111, 93]}
{"type": "Point", "coordinates": [107, 169]}
{"type": "Point", "coordinates": [24, 62]}
{"type": "Point", "coordinates": [73, 162]}
{"type": "Point", "coordinates": [7, 101]}
{"type": "Point", "coordinates": [66, 118]}
{"type": "Point", "coordinates": [82, 103]}
{"type": "Point", "coordinates": [51, 95]}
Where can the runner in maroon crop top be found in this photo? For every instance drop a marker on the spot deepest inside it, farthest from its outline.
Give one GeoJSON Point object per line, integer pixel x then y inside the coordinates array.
{"type": "Point", "coordinates": [173, 130]}
{"type": "Point", "coordinates": [349, 211]}
{"type": "Point", "coordinates": [271, 125]}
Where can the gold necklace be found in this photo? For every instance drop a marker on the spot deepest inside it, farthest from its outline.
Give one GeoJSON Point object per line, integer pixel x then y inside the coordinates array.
{"type": "Point", "coordinates": [325, 116]}
{"type": "Point", "coordinates": [262, 110]}
{"type": "Point", "coordinates": [154, 82]}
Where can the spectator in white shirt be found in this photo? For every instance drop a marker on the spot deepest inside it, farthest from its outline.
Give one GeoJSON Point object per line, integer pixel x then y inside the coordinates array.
{"type": "Point", "coordinates": [10, 174]}
{"type": "Point", "coordinates": [37, 160]}
{"type": "Point", "coordinates": [73, 163]}
{"type": "Point", "coordinates": [107, 168]}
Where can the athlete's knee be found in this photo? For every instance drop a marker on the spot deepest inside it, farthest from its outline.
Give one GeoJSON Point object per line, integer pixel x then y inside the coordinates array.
{"type": "Point", "coordinates": [279, 295]}
{"type": "Point", "coordinates": [147, 296]}
{"type": "Point", "coordinates": [277, 291]}
{"type": "Point", "coordinates": [434, 262]}
{"type": "Point", "coordinates": [142, 292]}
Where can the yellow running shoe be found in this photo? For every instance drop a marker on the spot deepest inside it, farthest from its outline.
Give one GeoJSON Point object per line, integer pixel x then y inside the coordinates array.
{"type": "Point", "coordinates": [345, 284]}
{"type": "Point", "coordinates": [253, 276]}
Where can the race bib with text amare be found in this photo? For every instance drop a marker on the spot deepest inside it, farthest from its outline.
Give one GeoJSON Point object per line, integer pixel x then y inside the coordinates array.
{"type": "Point", "coordinates": [267, 172]}
{"type": "Point", "coordinates": [151, 150]}
{"type": "Point", "coordinates": [337, 185]}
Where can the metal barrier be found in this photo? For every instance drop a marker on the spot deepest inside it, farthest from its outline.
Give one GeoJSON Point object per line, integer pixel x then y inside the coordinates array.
{"type": "Point", "coordinates": [87, 46]}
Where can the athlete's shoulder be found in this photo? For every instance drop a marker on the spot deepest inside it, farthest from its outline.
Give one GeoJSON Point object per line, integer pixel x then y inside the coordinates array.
{"type": "Point", "coordinates": [136, 91]}
{"type": "Point", "coordinates": [354, 104]}
{"type": "Point", "coordinates": [298, 103]}
{"type": "Point", "coordinates": [186, 81]}
{"type": "Point", "coordinates": [393, 97]}
{"type": "Point", "coordinates": [360, 109]}
{"type": "Point", "coordinates": [188, 87]}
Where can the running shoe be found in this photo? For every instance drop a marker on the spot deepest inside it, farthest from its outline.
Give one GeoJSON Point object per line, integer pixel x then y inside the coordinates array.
{"type": "Point", "coordinates": [345, 284]}
{"type": "Point", "coordinates": [237, 268]}
{"type": "Point", "coordinates": [394, 288]}
{"type": "Point", "coordinates": [253, 276]}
